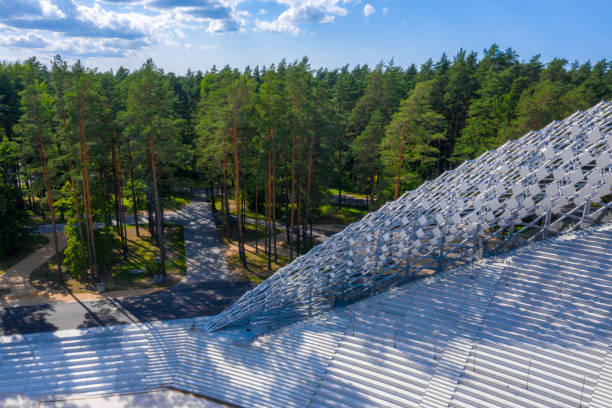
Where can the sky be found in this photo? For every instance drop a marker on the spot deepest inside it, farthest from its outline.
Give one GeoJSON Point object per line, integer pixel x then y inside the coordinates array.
{"type": "Point", "coordinates": [197, 34]}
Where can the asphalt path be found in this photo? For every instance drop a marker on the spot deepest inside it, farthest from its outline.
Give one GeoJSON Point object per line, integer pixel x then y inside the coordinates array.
{"type": "Point", "coordinates": [206, 290]}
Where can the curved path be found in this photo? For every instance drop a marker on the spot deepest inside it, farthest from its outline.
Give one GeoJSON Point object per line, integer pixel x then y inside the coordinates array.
{"type": "Point", "coordinates": [207, 288]}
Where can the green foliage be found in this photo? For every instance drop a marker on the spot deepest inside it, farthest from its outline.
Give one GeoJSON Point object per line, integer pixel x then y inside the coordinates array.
{"type": "Point", "coordinates": [74, 254]}
{"type": "Point", "coordinates": [420, 130]}
{"type": "Point", "coordinates": [318, 132]}
{"type": "Point", "coordinates": [13, 217]}
{"type": "Point", "coordinates": [365, 149]}
{"type": "Point", "coordinates": [150, 119]}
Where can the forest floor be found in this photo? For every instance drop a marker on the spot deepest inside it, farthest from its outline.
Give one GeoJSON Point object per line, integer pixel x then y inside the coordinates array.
{"type": "Point", "coordinates": [134, 271]}
{"type": "Point", "coordinates": [329, 220]}
{"type": "Point", "coordinates": [31, 275]}
{"type": "Point", "coordinates": [207, 288]}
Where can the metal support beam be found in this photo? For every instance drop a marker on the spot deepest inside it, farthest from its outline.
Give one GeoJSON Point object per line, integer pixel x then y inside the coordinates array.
{"type": "Point", "coordinates": [466, 210]}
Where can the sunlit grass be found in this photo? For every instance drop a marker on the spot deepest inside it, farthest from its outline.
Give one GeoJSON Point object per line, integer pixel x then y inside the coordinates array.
{"type": "Point", "coordinates": [334, 192]}
{"type": "Point", "coordinates": [330, 214]}
{"type": "Point", "coordinates": [257, 266]}
{"type": "Point", "coordinates": [178, 200]}
{"type": "Point", "coordinates": [119, 271]}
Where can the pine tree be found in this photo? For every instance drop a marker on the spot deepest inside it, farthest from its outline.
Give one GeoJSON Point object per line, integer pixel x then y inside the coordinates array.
{"type": "Point", "coordinates": [151, 121]}
{"type": "Point", "coordinates": [60, 78]}
{"type": "Point", "coordinates": [36, 128]}
{"type": "Point", "coordinates": [365, 151]}
{"type": "Point", "coordinates": [408, 150]}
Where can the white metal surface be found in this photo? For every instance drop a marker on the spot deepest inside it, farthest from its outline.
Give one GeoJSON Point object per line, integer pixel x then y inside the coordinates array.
{"type": "Point", "coordinates": [524, 190]}
{"type": "Point", "coordinates": [533, 329]}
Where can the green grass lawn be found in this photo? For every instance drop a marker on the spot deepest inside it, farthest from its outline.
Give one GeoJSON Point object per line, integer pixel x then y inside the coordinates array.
{"type": "Point", "coordinates": [249, 213]}
{"type": "Point", "coordinates": [177, 200]}
{"type": "Point", "coordinates": [329, 214]}
{"type": "Point", "coordinates": [25, 250]}
{"type": "Point", "coordinates": [142, 256]}
{"type": "Point", "coordinates": [326, 214]}
{"type": "Point", "coordinates": [251, 232]}
{"type": "Point", "coordinates": [303, 248]}
{"type": "Point", "coordinates": [334, 192]}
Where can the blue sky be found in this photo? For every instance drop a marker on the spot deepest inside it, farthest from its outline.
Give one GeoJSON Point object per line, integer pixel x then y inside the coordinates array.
{"type": "Point", "coordinates": [181, 34]}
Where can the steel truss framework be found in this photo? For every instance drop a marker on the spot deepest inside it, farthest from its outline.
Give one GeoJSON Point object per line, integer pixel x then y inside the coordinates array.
{"type": "Point", "coordinates": [546, 182]}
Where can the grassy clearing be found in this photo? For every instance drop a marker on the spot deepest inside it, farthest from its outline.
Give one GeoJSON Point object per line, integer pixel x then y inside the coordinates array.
{"type": "Point", "coordinates": [251, 233]}
{"type": "Point", "coordinates": [334, 192]}
{"type": "Point", "coordinates": [249, 213]}
{"type": "Point", "coordinates": [143, 254]}
{"type": "Point", "coordinates": [257, 266]}
{"type": "Point", "coordinates": [329, 214]}
{"type": "Point", "coordinates": [119, 271]}
{"type": "Point", "coordinates": [325, 214]}
{"type": "Point", "coordinates": [303, 247]}
{"type": "Point", "coordinates": [26, 249]}
{"type": "Point", "coordinates": [178, 200]}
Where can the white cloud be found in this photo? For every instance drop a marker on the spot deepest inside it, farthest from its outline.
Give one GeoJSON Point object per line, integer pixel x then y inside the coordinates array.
{"type": "Point", "coordinates": [303, 12]}
{"type": "Point", "coordinates": [222, 26]}
{"type": "Point", "coordinates": [89, 47]}
{"type": "Point", "coordinates": [29, 40]}
{"type": "Point", "coordinates": [117, 28]}
{"type": "Point", "coordinates": [368, 10]}
{"type": "Point", "coordinates": [385, 11]}
{"type": "Point", "coordinates": [51, 10]}
{"type": "Point", "coordinates": [75, 27]}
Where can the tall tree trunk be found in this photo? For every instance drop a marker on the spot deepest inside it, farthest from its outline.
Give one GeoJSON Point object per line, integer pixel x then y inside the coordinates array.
{"type": "Point", "coordinates": [256, 215]}
{"type": "Point", "coordinates": [237, 192]}
{"type": "Point", "coordinates": [212, 191]}
{"type": "Point", "coordinates": [340, 177]}
{"type": "Point", "coordinates": [158, 212]}
{"type": "Point", "coordinates": [226, 210]}
{"type": "Point", "coordinates": [373, 179]}
{"type": "Point", "coordinates": [274, 212]}
{"type": "Point", "coordinates": [298, 224]}
{"type": "Point", "coordinates": [77, 209]}
{"type": "Point", "coordinates": [244, 183]}
{"type": "Point", "coordinates": [270, 230]}
{"type": "Point", "coordinates": [117, 184]}
{"type": "Point", "coordinates": [119, 196]}
{"type": "Point", "coordinates": [400, 158]}
{"type": "Point", "coordinates": [77, 205]}
{"type": "Point", "coordinates": [122, 206]}
{"type": "Point", "coordinates": [287, 202]}
{"type": "Point", "coordinates": [308, 185]}
{"type": "Point", "coordinates": [89, 213]}
{"type": "Point", "coordinates": [151, 214]}
{"type": "Point", "coordinates": [95, 272]}
{"type": "Point", "coordinates": [292, 224]}
{"type": "Point", "coordinates": [43, 160]}
{"type": "Point", "coordinates": [134, 199]}
{"type": "Point", "coordinates": [91, 275]}
{"type": "Point", "coordinates": [27, 182]}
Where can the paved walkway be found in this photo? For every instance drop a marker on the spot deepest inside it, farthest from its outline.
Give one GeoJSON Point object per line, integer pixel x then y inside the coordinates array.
{"type": "Point", "coordinates": [207, 289]}
{"type": "Point", "coordinates": [16, 280]}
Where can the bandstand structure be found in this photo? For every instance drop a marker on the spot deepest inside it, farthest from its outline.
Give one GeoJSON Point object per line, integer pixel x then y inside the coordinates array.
{"type": "Point", "coordinates": [486, 318]}
{"type": "Point", "coordinates": [544, 183]}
